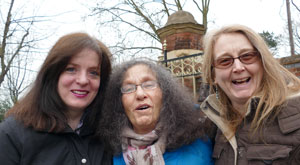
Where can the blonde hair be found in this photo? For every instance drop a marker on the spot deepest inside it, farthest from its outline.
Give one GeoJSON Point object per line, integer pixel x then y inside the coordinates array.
{"type": "Point", "coordinates": [277, 82]}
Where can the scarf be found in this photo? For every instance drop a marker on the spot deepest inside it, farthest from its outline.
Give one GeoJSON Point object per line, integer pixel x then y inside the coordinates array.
{"type": "Point", "coordinates": [144, 149]}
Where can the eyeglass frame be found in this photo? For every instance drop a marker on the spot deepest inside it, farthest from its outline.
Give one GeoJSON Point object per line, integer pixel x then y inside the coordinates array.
{"type": "Point", "coordinates": [155, 83]}
{"type": "Point", "coordinates": [255, 56]}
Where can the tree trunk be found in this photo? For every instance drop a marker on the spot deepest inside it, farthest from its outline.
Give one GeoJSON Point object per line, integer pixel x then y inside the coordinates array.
{"type": "Point", "coordinates": [290, 28]}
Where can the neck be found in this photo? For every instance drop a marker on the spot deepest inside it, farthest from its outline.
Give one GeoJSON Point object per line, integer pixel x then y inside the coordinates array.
{"type": "Point", "coordinates": [242, 108]}
{"type": "Point", "coordinates": [73, 119]}
{"type": "Point", "coordinates": [143, 131]}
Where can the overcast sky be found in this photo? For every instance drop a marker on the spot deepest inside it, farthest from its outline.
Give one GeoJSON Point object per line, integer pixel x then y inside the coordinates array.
{"type": "Point", "coordinates": [260, 15]}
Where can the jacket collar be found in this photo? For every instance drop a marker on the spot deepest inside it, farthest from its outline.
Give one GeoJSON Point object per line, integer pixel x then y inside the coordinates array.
{"type": "Point", "coordinates": [211, 107]}
{"type": "Point", "coordinates": [288, 119]}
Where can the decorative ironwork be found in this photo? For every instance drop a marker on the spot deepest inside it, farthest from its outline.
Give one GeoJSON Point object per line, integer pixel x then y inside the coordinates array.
{"type": "Point", "coordinates": [185, 66]}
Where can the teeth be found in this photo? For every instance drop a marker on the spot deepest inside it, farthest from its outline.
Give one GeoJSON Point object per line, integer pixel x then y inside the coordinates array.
{"type": "Point", "coordinates": [80, 92]}
{"type": "Point", "coordinates": [242, 80]}
{"type": "Point", "coordinates": [143, 107]}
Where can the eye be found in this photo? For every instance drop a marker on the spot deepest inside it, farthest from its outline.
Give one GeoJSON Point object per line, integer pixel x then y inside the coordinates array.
{"type": "Point", "coordinates": [149, 84]}
{"type": "Point", "coordinates": [224, 61]}
{"type": "Point", "coordinates": [248, 56]}
{"type": "Point", "coordinates": [128, 88]}
{"type": "Point", "coordinates": [70, 69]}
{"type": "Point", "coordinates": [95, 73]}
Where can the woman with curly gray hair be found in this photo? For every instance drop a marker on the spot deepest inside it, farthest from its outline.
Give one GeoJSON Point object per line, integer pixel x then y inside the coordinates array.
{"type": "Point", "coordinates": [150, 118]}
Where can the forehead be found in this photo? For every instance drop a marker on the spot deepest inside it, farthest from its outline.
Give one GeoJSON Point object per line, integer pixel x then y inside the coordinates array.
{"type": "Point", "coordinates": [138, 73]}
{"type": "Point", "coordinates": [231, 44]}
{"type": "Point", "coordinates": [86, 55]}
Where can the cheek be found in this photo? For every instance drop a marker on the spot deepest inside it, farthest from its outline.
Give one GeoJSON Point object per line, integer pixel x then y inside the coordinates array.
{"type": "Point", "coordinates": [95, 84]}
{"type": "Point", "coordinates": [64, 80]}
{"type": "Point", "coordinates": [217, 78]}
{"type": "Point", "coordinates": [158, 99]}
{"type": "Point", "coordinates": [126, 101]}
{"type": "Point", "coordinates": [63, 83]}
{"type": "Point", "coordinates": [221, 76]}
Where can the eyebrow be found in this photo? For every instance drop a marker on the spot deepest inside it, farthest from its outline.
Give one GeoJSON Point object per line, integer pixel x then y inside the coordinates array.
{"type": "Point", "coordinates": [143, 79]}
{"type": "Point", "coordinates": [240, 52]}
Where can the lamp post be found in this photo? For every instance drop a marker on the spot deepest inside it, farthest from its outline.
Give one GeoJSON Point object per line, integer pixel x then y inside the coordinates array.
{"type": "Point", "coordinates": [165, 52]}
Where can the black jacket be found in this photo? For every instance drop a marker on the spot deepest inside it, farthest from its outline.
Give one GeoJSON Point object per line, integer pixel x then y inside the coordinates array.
{"type": "Point", "coordinates": [20, 145]}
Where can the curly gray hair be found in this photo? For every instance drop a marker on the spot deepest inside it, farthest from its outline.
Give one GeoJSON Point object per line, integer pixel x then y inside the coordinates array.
{"type": "Point", "coordinates": [178, 116]}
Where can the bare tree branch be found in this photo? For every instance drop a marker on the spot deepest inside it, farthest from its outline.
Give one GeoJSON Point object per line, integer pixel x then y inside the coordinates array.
{"type": "Point", "coordinates": [178, 4]}
{"type": "Point", "coordinates": [295, 5]}
{"type": "Point", "coordinates": [19, 46]}
{"type": "Point", "coordinates": [135, 23]}
{"type": "Point", "coordinates": [204, 10]}
{"type": "Point", "coordinates": [3, 44]}
{"type": "Point", "coordinates": [166, 8]}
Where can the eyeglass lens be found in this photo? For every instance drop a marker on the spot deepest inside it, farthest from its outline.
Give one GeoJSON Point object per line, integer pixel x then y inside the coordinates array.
{"type": "Point", "coordinates": [247, 58]}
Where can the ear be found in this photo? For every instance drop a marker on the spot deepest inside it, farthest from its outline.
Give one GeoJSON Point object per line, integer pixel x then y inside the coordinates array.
{"type": "Point", "coordinates": [215, 81]}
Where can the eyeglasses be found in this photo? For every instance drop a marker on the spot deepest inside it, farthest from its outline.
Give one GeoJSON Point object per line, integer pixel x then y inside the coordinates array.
{"type": "Point", "coordinates": [147, 85]}
{"type": "Point", "coordinates": [247, 58]}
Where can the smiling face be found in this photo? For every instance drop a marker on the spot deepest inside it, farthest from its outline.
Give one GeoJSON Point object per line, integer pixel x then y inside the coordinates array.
{"type": "Point", "coordinates": [78, 84]}
{"type": "Point", "coordinates": [143, 106]}
{"type": "Point", "coordinates": [239, 81]}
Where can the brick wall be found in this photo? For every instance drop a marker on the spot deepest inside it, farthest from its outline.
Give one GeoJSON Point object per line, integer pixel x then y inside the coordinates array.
{"type": "Point", "coordinates": [292, 63]}
{"type": "Point", "coordinates": [184, 41]}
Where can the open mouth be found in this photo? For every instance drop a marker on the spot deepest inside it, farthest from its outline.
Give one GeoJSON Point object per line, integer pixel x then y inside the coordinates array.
{"type": "Point", "coordinates": [241, 81]}
{"type": "Point", "coordinates": [143, 107]}
{"type": "Point", "coordinates": [80, 92]}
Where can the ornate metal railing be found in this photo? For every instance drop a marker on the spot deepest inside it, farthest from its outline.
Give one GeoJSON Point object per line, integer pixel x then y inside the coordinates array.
{"type": "Point", "coordinates": [186, 66]}
{"type": "Point", "coordinates": [190, 65]}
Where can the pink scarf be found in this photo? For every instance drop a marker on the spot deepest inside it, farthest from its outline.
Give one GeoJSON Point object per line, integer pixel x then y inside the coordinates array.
{"type": "Point", "coordinates": [144, 149]}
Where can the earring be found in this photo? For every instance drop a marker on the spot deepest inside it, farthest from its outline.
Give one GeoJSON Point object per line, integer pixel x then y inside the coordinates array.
{"type": "Point", "coordinates": [217, 93]}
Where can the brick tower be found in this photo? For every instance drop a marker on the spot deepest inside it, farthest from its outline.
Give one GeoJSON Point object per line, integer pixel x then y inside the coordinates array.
{"type": "Point", "coordinates": [182, 34]}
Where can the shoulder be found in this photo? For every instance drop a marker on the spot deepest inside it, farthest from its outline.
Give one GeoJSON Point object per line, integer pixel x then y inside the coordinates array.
{"type": "Point", "coordinates": [13, 130]}
{"type": "Point", "coordinates": [118, 160]}
{"type": "Point", "coordinates": [11, 138]}
{"type": "Point", "coordinates": [294, 101]}
{"type": "Point", "coordinates": [289, 116]}
{"type": "Point", "coordinates": [10, 124]}
{"type": "Point", "coordinates": [198, 152]}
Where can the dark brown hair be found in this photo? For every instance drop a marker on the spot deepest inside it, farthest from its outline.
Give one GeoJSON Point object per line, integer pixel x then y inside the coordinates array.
{"type": "Point", "coordinates": [42, 108]}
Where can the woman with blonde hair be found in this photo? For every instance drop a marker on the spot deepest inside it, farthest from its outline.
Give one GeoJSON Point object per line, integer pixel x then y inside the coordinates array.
{"type": "Point", "coordinates": [254, 106]}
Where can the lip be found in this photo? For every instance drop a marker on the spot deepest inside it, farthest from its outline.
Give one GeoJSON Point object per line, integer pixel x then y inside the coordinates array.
{"type": "Point", "coordinates": [138, 108]}
{"type": "Point", "coordinates": [80, 93]}
{"type": "Point", "coordinates": [241, 80]}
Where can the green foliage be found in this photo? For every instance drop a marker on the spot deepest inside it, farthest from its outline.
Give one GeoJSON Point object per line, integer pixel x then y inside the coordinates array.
{"type": "Point", "coordinates": [4, 106]}
{"type": "Point", "coordinates": [271, 39]}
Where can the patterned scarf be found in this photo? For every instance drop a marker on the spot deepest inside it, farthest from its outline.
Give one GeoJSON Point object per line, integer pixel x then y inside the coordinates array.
{"type": "Point", "coordinates": [144, 149]}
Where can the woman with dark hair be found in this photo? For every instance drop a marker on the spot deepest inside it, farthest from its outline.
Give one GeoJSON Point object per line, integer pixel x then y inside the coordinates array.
{"type": "Point", "coordinates": [150, 118]}
{"type": "Point", "coordinates": [55, 122]}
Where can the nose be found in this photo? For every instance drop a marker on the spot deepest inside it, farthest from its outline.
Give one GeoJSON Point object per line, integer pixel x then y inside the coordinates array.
{"type": "Point", "coordinates": [238, 66]}
{"type": "Point", "coordinates": [140, 93]}
{"type": "Point", "coordinates": [82, 78]}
